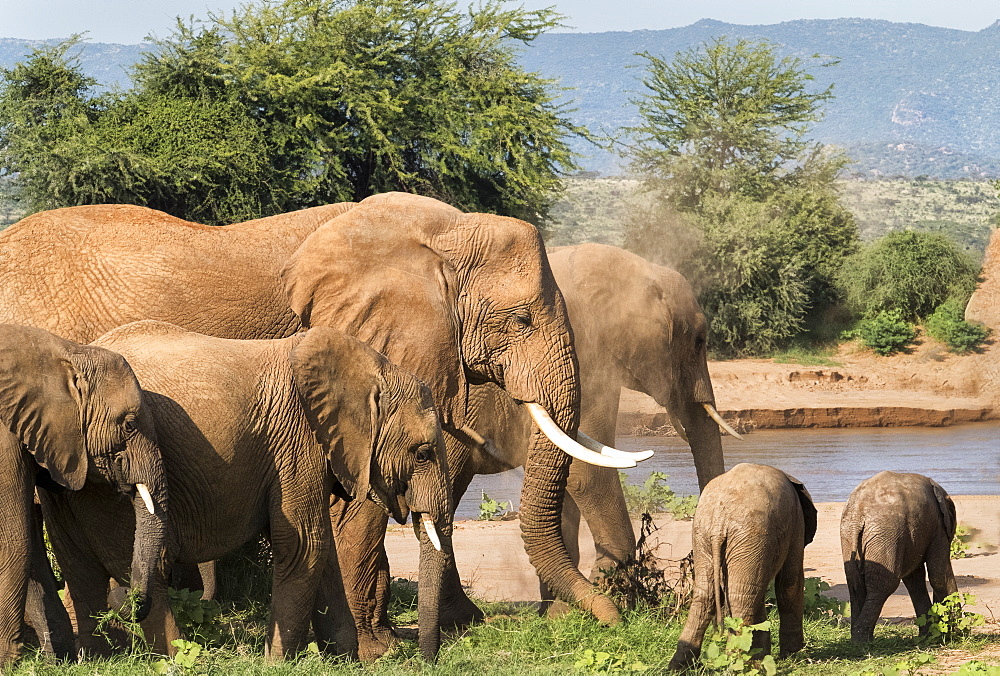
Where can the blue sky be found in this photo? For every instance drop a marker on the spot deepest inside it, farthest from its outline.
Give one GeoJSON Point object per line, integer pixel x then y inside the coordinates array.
{"type": "Point", "coordinates": [128, 21]}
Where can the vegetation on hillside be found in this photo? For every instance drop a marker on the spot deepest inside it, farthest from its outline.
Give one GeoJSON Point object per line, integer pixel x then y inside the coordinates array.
{"type": "Point", "coordinates": [741, 202]}
{"type": "Point", "coordinates": [291, 104]}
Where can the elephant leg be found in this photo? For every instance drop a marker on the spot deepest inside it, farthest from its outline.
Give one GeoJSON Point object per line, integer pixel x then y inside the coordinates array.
{"type": "Point", "coordinates": [855, 589]}
{"type": "Point", "coordinates": [333, 623]}
{"type": "Point", "coordinates": [550, 606]}
{"type": "Point", "coordinates": [789, 591]}
{"type": "Point", "coordinates": [45, 610]}
{"type": "Point", "coordinates": [195, 576]}
{"type": "Point", "coordinates": [300, 544]}
{"type": "Point", "coordinates": [879, 584]}
{"type": "Point", "coordinates": [748, 604]}
{"type": "Point", "coordinates": [359, 532]}
{"type": "Point", "coordinates": [17, 489]}
{"type": "Point", "coordinates": [702, 610]}
{"type": "Point", "coordinates": [208, 583]}
{"type": "Point", "coordinates": [916, 586]}
{"type": "Point", "coordinates": [457, 609]}
{"type": "Point", "coordinates": [939, 570]}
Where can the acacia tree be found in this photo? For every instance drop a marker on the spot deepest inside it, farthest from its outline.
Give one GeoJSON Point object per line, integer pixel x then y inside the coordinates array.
{"type": "Point", "coordinates": [284, 105]}
{"type": "Point", "coordinates": [743, 203]}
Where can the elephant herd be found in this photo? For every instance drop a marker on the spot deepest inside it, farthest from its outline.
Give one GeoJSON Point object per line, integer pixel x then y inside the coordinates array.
{"type": "Point", "coordinates": [171, 390]}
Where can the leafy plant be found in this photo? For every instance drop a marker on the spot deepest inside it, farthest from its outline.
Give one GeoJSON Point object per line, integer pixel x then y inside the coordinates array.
{"type": "Point", "coordinates": [491, 510]}
{"type": "Point", "coordinates": [885, 332]}
{"type": "Point", "coordinates": [402, 601]}
{"type": "Point", "coordinates": [600, 662]}
{"type": "Point", "coordinates": [818, 604]}
{"type": "Point", "coordinates": [959, 547]}
{"type": "Point", "coordinates": [907, 667]}
{"type": "Point", "coordinates": [731, 651]}
{"type": "Point", "coordinates": [975, 667]}
{"type": "Point", "coordinates": [185, 657]}
{"type": "Point", "coordinates": [121, 618]}
{"type": "Point", "coordinates": [948, 621]}
{"type": "Point", "coordinates": [947, 324]}
{"type": "Point", "coordinates": [655, 496]}
{"type": "Point", "coordinates": [197, 618]}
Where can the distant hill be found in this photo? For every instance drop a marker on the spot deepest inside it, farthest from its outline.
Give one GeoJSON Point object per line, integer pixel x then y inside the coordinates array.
{"type": "Point", "coordinates": [910, 99]}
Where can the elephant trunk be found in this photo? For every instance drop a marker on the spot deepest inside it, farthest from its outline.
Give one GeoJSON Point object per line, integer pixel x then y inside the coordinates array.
{"type": "Point", "coordinates": [433, 563]}
{"type": "Point", "coordinates": [545, 471]}
{"type": "Point", "coordinates": [148, 572]}
{"type": "Point", "coordinates": [705, 440]}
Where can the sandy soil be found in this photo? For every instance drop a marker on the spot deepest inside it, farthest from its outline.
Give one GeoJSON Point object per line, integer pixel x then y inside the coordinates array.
{"type": "Point", "coordinates": [493, 564]}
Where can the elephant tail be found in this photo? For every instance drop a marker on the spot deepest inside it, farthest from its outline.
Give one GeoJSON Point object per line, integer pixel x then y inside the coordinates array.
{"type": "Point", "coordinates": [718, 551]}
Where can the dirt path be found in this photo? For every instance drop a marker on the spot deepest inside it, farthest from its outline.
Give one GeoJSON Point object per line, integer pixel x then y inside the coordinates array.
{"type": "Point", "coordinates": [493, 564]}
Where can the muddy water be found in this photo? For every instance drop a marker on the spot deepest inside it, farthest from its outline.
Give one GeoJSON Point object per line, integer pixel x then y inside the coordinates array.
{"type": "Point", "coordinates": [964, 459]}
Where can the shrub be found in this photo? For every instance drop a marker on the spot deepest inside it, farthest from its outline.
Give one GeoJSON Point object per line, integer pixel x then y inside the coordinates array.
{"type": "Point", "coordinates": [490, 509]}
{"type": "Point", "coordinates": [731, 652]}
{"type": "Point", "coordinates": [196, 617]}
{"type": "Point", "coordinates": [906, 272]}
{"type": "Point", "coordinates": [960, 543]}
{"type": "Point", "coordinates": [947, 621]}
{"type": "Point", "coordinates": [885, 332]}
{"type": "Point", "coordinates": [947, 324]}
{"type": "Point", "coordinates": [654, 496]}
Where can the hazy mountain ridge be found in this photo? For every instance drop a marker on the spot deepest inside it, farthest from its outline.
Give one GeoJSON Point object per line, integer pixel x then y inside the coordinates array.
{"type": "Point", "coordinates": [910, 99]}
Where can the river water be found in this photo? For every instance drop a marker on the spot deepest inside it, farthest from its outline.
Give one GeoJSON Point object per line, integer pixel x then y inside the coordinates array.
{"type": "Point", "coordinates": [964, 459]}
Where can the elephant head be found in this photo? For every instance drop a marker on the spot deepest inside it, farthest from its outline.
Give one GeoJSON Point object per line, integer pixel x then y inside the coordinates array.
{"type": "Point", "coordinates": [381, 432]}
{"type": "Point", "coordinates": [640, 325]}
{"type": "Point", "coordinates": [79, 411]}
{"type": "Point", "coordinates": [456, 298]}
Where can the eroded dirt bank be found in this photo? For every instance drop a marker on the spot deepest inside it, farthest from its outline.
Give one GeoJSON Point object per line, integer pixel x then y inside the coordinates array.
{"type": "Point", "coordinates": [929, 386]}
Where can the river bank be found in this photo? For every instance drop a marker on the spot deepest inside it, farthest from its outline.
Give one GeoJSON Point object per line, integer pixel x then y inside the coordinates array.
{"type": "Point", "coordinates": [928, 386]}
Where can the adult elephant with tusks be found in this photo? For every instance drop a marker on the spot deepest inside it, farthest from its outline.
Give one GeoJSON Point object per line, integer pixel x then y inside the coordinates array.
{"type": "Point", "coordinates": [458, 299]}
{"type": "Point", "coordinates": [453, 298]}
{"type": "Point", "coordinates": [75, 422]}
{"type": "Point", "coordinates": [636, 325]}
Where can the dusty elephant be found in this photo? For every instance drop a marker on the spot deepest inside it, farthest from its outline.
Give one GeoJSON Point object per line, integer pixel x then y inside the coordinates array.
{"type": "Point", "coordinates": [893, 527]}
{"type": "Point", "coordinates": [248, 430]}
{"type": "Point", "coordinates": [751, 527]}
{"type": "Point", "coordinates": [448, 296]}
{"type": "Point", "coordinates": [75, 420]}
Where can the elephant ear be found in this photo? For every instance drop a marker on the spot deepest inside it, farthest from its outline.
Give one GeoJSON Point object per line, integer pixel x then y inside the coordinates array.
{"type": "Point", "coordinates": [947, 508]}
{"type": "Point", "coordinates": [42, 400]}
{"type": "Point", "coordinates": [338, 381]}
{"type": "Point", "coordinates": [375, 274]}
{"type": "Point", "coordinates": [808, 508]}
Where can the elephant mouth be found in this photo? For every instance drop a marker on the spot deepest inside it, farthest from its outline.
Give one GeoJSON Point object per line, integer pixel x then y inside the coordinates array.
{"type": "Point", "coordinates": [394, 506]}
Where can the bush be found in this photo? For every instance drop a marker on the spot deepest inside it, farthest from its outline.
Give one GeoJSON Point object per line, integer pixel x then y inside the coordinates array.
{"type": "Point", "coordinates": [906, 272]}
{"type": "Point", "coordinates": [655, 496]}
{"type": "Point", "coordinates": [491, 510]}
{"type": "Point", "coordinates": [948, 621]}
{"type": "Point", "coordinates": [885, 332]}
{"type": "Point", "coordinates": [947, 324]}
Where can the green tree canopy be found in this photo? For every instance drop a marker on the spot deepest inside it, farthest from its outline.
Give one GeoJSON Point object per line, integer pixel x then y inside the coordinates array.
{"type": "Point", "coordinates": [284, 105]}
{"type": "Point", "coordinates": [910, 273]}
{"type": "Point", "coordinates": [743, 204]}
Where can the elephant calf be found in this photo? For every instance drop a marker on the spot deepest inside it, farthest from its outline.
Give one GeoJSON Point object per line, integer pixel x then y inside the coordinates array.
{"type": "Point", "coordinates": [751, 527]}
{"type": "Point", "coordinates": [892, 527]}
{"type": "Point", "coordinates": [249, 431]}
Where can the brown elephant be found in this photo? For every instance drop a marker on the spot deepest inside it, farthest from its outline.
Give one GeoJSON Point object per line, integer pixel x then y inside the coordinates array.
{"type": "Point", "coordinates": [453, 298]}
{"type": "Point", "coordinates": [751, 526]}
{"type": "Point", "coordinates": [636, 325]}
{"type": "Point", "coordinates": [248, 430]}
{"type": "Point", "coordinates": [896, 527]}
{"type": "Point", "coordinates": [75, 423]}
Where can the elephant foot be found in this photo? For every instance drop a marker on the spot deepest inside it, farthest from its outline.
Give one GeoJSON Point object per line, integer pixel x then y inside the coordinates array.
{"type": "Point", "coordinates": [372, 645]}
{"type": "Point", "coordinates": [460, 613]}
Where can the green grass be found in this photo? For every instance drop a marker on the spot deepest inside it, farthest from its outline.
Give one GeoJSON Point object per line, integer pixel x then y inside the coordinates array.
{"type": "Point", "coordinates": [516, 641]}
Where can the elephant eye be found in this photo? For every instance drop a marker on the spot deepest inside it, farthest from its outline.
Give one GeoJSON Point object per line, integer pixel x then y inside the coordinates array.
{"type": "Point", "coordinates": [520, 320]}
{"type": "Point", "coordinates": [423, 453]}
{"type": "Point", "coordinates": [130, 425]}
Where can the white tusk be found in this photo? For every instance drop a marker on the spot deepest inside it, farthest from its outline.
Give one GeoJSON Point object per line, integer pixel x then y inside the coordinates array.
{"type": "Point", "coordinates": [595, 445]}
{"type": "Point", "coordinates": [431, 531]}
{"type": "Point", "coordinates": [146, 497]}
{"type": "Point", "coordinates": [714, 415]}
{"type": "Point", "coordinates": [681, 432]}
{"type": "Point", "coordinates": [551, 430]}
